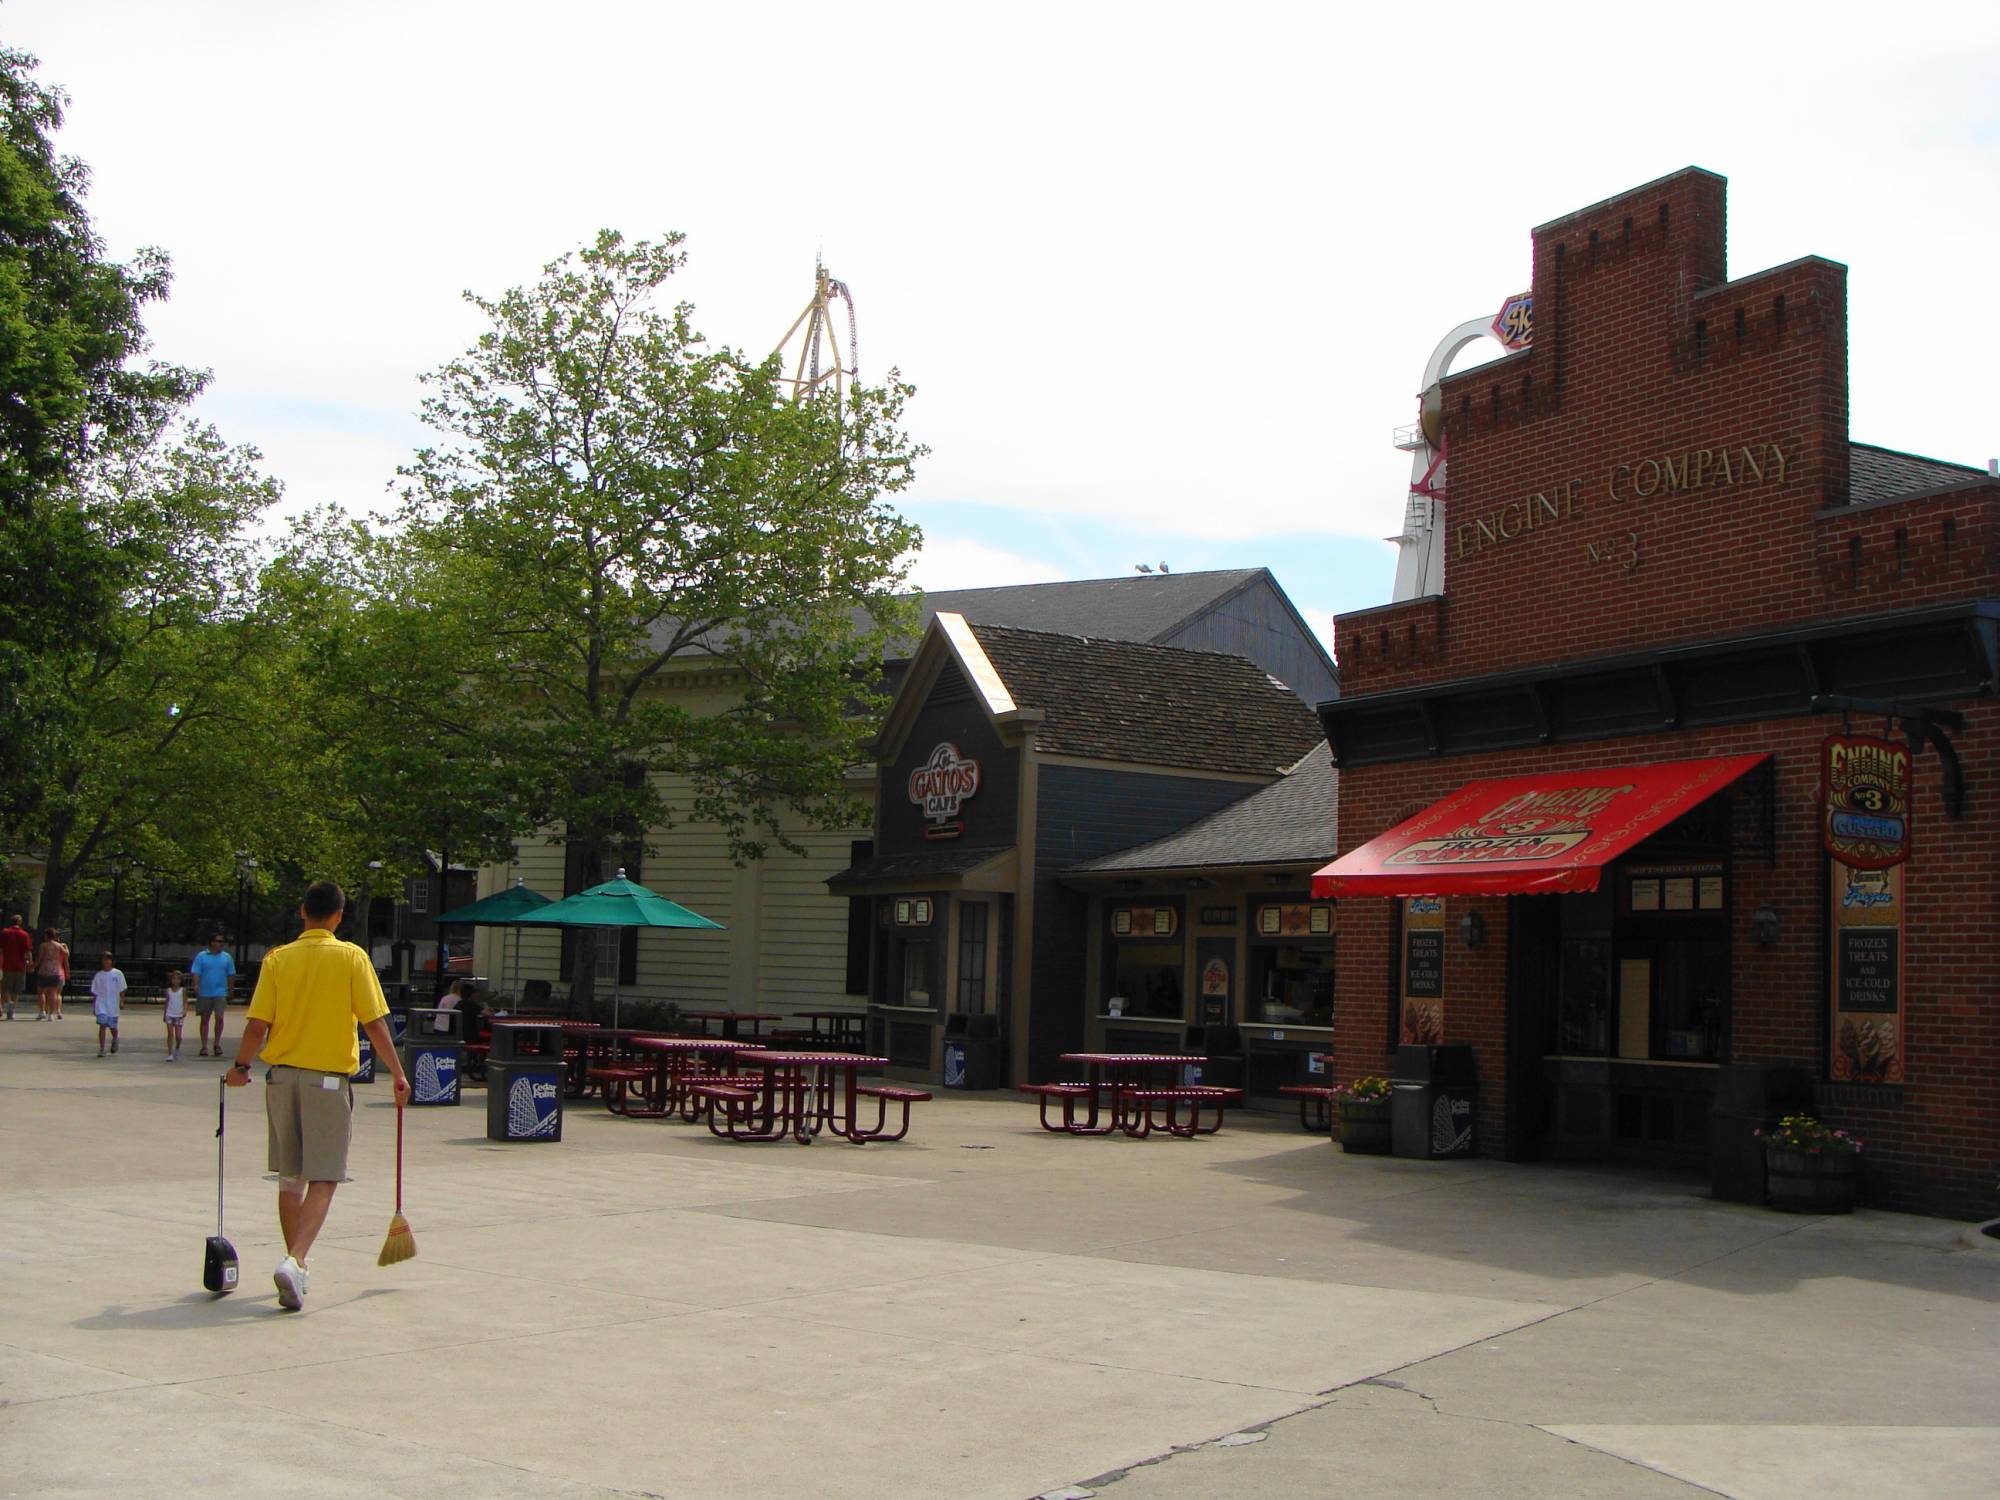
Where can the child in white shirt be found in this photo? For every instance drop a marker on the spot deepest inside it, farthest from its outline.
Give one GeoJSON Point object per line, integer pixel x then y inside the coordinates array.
{"type": "Point", "coordinates": [176, 1013]}
{"type": "Point", "coordinates": [106, 986]}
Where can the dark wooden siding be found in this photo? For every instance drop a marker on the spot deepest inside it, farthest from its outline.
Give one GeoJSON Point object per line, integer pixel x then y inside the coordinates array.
{"type": "Point", "coordinates": [1257, 624]}
{"type": "Point", "coordinates": [1081, 814]}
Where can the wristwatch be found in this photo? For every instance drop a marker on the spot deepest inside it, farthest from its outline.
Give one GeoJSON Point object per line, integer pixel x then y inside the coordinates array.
{"type": "Point", "coordinates": [243, 1065]}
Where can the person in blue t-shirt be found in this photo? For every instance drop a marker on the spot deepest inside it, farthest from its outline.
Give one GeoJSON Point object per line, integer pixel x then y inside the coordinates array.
{"type": "Point", "coordinates": [214, 973]}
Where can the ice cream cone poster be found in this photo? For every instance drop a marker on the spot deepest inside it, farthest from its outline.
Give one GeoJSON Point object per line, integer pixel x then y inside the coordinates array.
{"type": "Point", "coordinates": [1422, 989]}
{"type": "Point", "coordinates": [1867, 974]}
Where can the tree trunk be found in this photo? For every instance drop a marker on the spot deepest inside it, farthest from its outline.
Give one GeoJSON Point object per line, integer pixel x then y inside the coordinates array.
{"type": "Point", "coordinates": [55, 879]}
{"type": "Point", "coordinates": [584, 854]}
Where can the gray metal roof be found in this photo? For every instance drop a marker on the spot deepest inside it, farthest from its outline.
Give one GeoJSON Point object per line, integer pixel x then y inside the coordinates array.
{"type": "Point", "coordinates": [1141, 607]}
{"type": "Point", "coordinates": [1289, 822]}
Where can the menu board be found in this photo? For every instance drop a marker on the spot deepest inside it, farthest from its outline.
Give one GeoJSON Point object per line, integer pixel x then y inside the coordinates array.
{"type": "Point", "coordinates": [1866, 971]}
{"type": "Point", "coordinates": [1422, 1020]}
{"type": "Point", "coordinates": [1423, 963]}
{"type": "Point", "coordinates": [1866, 965]}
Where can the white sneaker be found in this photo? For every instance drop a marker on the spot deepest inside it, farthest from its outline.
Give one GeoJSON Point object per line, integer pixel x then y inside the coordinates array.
{"type": "Point", "coordinates": [291, 1278]}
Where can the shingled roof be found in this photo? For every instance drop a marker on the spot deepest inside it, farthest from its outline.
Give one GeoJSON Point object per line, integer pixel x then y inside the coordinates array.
{"type": "Point", "coordinates": [1884, 474]}
{"type": "Point", "coordinates": [1137, 607]}
{"type": "Point", "coordinates": [1288, 822]}
{"type": "Point", "coordinates": [1150, 705]}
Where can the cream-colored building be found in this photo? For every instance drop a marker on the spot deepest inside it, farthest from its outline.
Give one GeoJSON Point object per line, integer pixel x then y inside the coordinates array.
{"type": "Point", "coordinates": [788, 943]}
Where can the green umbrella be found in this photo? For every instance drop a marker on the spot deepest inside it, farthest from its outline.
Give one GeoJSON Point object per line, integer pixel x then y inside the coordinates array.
{"type": "Point", "coordinates": [513, 907]}
{"type": "Point", "coordinates": [499, 909]}
{"type": "Point", "coordinates": [616, 903]}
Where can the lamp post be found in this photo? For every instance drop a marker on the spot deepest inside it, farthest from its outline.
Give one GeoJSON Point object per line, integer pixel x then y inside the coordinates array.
{"type": "Point", "coordinates": [368, 910]}
{"type": "Point", "coordinates": [117, 896]}
{"type": "Point", "coordinates": [246, 869]}
{"type": "Point", "coordinates": [159, 885]}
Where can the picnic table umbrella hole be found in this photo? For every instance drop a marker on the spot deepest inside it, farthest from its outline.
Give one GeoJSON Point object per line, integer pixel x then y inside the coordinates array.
{"type": "Point", "coordinates": [616, 903]}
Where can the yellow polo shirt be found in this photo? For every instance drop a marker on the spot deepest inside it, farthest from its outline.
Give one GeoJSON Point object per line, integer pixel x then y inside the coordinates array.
{"type": "Point", "coordinates": [311, 992]}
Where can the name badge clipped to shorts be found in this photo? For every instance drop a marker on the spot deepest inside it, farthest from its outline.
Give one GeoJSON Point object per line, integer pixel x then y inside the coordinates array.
{"type": "Point", "coordinates": [331, 1081]}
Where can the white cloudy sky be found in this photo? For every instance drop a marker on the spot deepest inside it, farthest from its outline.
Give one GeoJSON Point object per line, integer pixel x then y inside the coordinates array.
{"type": "Point", "coordinates": [1165, 276]}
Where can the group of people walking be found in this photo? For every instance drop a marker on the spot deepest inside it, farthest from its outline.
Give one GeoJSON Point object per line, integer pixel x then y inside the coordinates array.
{"type": "Point", "coordinates": [44, 961]}
{"type": "Point", "coordinates": [44, 957]}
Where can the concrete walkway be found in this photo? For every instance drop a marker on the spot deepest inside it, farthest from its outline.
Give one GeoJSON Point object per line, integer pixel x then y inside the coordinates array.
{"type": "Point", "coordinates": [983, 1310]}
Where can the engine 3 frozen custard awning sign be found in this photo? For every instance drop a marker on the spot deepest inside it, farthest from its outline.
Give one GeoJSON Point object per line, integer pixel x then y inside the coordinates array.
{"type": "Point", "coordinates": [1520, 834]}
{"type": "Point", "coordinates": [940, 785]}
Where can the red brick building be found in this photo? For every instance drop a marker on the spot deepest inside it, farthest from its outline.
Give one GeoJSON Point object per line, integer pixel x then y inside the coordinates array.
{"type": "Point", "coordinates": [1662, 547]}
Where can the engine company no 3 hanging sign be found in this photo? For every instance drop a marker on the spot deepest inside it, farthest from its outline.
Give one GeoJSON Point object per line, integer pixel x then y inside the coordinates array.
{"type": "Point", "coordinates": [940, 785]}
{"type": "Point", "coordinates": [1865, 801]}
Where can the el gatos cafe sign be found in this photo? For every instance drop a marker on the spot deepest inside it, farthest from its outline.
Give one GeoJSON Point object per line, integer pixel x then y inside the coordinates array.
{"type": "Point", "coordinates": [1713, 468]}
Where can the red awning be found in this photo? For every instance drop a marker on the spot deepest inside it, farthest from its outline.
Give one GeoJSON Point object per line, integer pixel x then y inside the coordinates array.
{"type": "Point", "coordinates": [1521, 835]}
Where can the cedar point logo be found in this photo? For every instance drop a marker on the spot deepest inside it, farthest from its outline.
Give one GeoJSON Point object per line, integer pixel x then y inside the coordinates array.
{"type": "Point", "coordinates": [941, 783]}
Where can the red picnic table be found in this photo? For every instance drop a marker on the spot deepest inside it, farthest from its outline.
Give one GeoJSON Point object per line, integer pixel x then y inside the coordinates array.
{"type": "Point", "coordinates": [799, 1094]}
{"type": "Point", "coordinates": [733, 1022]}
{"type": "Point", "coordinates": [837, 1028]}
{"type": "Point", "coordinates": [1119, 1080]}
{"type": "Point", "coordinates": [665, 1068]}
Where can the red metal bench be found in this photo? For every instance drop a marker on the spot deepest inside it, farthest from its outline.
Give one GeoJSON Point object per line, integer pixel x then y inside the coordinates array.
{"type": "Point", "coordinates": [884, 1095]}
{"type": "Point", "coordinates": [723, 1105]}
{"type": "Point", "coordinates": [1169, 1101]}
{"type": "Point", "coordinates": [1315, 1104]}
{"type": "Point", "coordinates": [1069, 1093]}
{"type": "Point", "coordinates": [617, 1084]}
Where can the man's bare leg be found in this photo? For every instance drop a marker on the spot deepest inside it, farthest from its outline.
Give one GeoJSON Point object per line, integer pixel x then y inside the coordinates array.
{"type": "Point", "coordinates": [302, 1210]}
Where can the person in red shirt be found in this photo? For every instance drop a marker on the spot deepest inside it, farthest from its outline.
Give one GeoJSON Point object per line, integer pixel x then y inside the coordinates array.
{"type": "Point", "coordinates": [16, 948]}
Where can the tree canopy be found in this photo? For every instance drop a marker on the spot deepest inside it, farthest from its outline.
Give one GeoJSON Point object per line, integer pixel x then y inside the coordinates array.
{"type": "Point", "coordinates": [613, 497]}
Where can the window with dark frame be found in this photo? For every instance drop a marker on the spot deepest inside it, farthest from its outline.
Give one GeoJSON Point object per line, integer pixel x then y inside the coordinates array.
{"type": "Point", "coordinates": [972, 958]}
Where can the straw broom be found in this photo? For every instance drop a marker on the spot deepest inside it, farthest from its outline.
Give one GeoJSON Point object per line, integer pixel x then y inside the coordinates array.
{"type": "Point", "coordinates": [401, 1244]}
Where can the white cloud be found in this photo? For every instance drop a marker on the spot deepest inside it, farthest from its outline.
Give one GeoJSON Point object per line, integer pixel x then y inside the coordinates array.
{"type": "Point", "coordinates": [959, 563]}
{"type": "Point", "coordinates": [1172, 271]}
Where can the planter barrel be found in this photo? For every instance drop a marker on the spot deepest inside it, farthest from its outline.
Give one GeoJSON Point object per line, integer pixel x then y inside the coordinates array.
{"type": "Point", "coordinates": [1364, 1126]}
{"type": "Point", "coordinates": [1812, 1182]}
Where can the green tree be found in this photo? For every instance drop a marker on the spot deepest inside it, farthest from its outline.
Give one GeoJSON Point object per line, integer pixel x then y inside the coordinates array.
{"type": "Point", "coordinates": [613, 496]}
{"type": "Point", "coordinates": [401, 758]}
{"type": "Point", "coordinates": [151, 729]}
{"type": "Point", "coordinates": [71, 385]}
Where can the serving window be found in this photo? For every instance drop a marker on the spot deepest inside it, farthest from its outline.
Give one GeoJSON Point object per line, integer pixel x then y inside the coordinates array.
{"type": "Point", "coordinates": [1291, 962]}
{"type": "Point", "coordinates": [1145, 960]}
{"type": "Point", "coordinates": [909, 930]}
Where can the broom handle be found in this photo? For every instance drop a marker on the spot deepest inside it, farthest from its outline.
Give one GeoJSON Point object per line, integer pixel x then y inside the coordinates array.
{"type": "Point", "coordinates": [399, 1159]}
{"type": "Point", "coordinates": [221, 1118]}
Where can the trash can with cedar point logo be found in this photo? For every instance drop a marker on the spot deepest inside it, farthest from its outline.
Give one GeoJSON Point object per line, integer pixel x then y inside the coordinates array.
{"type": "Point", "coordinates": [1433, 1101]}
{"type": "Point", "coordinates": [433, 1052]}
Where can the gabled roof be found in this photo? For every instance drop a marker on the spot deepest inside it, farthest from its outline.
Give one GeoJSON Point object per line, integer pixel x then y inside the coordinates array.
{"type": "Point", "coordinates": [1287, 822]}
{"type": "Point", "coordinates": [1137, 607]}
{"type": "Point", "coordinates": [1148, 705]}
{"type": "Point", "coordinates": [1884, 474]}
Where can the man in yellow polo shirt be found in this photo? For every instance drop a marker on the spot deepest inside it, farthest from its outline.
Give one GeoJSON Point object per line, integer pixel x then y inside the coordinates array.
{"type": "Point", "coordinates": [310, 993]}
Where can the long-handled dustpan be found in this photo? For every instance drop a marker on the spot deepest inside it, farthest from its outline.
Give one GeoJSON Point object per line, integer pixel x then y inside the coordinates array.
{"type": "Point", "coordinates": [218, 1265]}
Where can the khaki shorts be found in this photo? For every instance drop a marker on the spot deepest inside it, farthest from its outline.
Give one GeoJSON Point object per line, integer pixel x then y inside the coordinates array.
{"type": "Point", "coordinates": [309, 1123]}
{"type": "Point", "coordinates": [11, 982]}
{"type": "Point", "coordinates": [211, 1005]}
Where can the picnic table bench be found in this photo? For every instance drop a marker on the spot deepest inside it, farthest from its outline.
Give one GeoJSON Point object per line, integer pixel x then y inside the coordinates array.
{"type": "Point", "coordinates": [1315, 1104]}
{"type": "Point", "coordinates": [1115, 1095]}
{"type": "Point", "coordinates": [801, 1094]}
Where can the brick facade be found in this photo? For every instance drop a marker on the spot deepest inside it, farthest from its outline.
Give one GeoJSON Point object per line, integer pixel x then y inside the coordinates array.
{"type": "Point", "coordinates": [1669, 463]}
